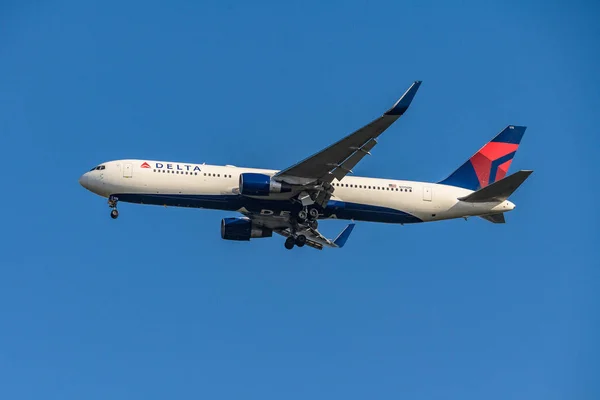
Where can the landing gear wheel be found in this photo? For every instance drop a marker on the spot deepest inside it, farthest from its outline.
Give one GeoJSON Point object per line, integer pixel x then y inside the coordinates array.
{"type": "Point", "coordinates": [300, 240]}
{"type": "Point", "coordinates": [114, 214]}
{"type": "Point", "coordinates": [313, 213]}
{"type": "Point", "coordinates": [302, 215]}
{"type": "Point", "coordinates": [289, 243]}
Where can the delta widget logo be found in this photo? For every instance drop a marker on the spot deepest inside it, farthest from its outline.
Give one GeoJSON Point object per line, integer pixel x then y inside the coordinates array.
{"type": "Point", "coordinates": [145, 165]}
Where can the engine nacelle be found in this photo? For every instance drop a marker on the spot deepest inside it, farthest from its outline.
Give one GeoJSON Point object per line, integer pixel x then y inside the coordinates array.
{"type": "Point", "coordinates": [242, 229]}
{"type": "Point", "coordinates": [252, 184]}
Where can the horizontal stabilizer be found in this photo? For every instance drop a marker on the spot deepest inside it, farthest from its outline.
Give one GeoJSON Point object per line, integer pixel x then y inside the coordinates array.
{"type": "Point", "coordinates": [495, 218]}
{"type": "Point", "coordinates": [498, 191]}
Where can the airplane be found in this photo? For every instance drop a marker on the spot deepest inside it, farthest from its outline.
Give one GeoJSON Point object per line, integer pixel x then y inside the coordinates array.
{"type": "Point", "coordinates": [290, 202]}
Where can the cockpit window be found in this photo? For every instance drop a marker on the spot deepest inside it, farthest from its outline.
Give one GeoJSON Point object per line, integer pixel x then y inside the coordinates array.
{"type": "Point", "coordinates": [99, 167]}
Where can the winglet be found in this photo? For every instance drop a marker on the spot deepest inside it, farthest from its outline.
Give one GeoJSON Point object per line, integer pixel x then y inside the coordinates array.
{"type": "Point", "coordinates": [340, 241]}
{"type": "Point", "coordinates": [402, 105]}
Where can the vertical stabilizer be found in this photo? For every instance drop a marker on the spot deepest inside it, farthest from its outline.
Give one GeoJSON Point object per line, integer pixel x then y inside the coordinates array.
{"type": "Point", "coordinates": [490, 163]}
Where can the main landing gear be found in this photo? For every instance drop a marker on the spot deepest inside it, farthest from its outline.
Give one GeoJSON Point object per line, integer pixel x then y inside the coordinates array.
{"type": "Point", "coordinates": [305, 217]}
{"type": "Point", "coordinates": [112, 203]}
{"type": "Point", "coordinates": [308, 214]}
{"type": "Point", "coordinates": [292, 241]}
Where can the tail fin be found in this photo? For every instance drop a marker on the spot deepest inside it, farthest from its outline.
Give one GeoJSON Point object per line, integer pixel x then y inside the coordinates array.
{"type": "Point", "coordinates": [490, 163]}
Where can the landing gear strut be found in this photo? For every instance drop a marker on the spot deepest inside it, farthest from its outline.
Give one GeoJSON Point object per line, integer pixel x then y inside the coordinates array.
{"type": "Point", "coordinates": [112, 203]}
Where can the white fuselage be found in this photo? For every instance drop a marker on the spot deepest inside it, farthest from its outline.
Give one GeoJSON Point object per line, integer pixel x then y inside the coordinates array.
{"type": "Point", "coordinates": [217, 187]}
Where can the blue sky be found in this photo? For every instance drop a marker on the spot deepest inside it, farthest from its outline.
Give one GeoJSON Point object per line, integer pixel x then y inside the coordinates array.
{"type": "Point", "coordinates": [155, 305]}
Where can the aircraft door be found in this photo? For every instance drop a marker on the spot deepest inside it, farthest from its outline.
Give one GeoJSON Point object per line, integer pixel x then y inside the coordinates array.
{"type": "Point", "coordinates": [127, 170]}
{"type": "Point", "coordinates": [427, 195]}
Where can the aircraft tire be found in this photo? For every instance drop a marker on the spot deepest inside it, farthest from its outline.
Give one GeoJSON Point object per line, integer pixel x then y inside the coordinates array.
{"type": "Point", "coordinates": [302, 215]}
{"type": "Point", "coordinates": [114, 214]}
{"type": "Point", "coordinates": [289, 243]}
{"type": "Point", "coordinates": [300, 240]}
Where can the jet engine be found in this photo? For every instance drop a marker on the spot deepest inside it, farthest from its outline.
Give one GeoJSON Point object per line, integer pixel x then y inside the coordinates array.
{"type": "Point", "coordinates": [252, 184]}
{"type": "Point", "coordinates": [242, 229]}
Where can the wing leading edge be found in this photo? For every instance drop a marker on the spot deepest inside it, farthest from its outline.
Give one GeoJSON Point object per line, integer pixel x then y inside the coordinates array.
{"type": "Point", "coordinates": [337, 160]}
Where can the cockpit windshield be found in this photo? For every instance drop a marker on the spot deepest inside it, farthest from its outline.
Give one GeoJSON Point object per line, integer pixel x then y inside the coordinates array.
{"type": "Point", "coordinates": [99, 167]}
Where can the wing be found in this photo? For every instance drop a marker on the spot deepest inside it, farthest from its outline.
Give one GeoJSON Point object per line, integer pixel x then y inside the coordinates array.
{"type": "Point", "coordinates": [317, 241]}
{"type": "Point", "coordinates": [337, 160]}
{"type": "Point", "coordinates": [314, 238]}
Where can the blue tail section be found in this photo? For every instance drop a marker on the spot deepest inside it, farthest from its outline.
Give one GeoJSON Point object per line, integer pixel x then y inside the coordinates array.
{"type": "Point", "coordinates": [340, 241]}
{"type": "Point", "coordinates": [490, 163]}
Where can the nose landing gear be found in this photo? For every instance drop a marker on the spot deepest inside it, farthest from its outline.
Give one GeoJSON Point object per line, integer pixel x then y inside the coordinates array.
{"type": "Point", "coordinates": [112, 203]}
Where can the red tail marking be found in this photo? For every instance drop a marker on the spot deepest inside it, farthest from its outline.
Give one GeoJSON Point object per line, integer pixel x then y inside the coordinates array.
{"type": "Point", "coordinates": [502, 170]}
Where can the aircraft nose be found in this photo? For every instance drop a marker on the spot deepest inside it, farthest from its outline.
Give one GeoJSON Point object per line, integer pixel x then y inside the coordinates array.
{"type": "Point", "coordinates": [83, 180]}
